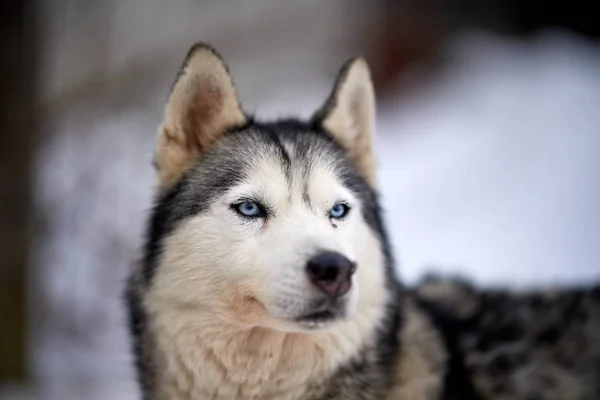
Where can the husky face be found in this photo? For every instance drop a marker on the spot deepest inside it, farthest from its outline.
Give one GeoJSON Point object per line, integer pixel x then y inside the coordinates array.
{"type": "Point", "coordinates": [265, 224]}
{"type": "Point", "coordinates": [254, 214]}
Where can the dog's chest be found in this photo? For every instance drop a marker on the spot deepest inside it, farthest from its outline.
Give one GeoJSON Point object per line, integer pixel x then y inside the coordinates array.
{"type": "Point", "coordinates": [279, 368]}
{"type": "Point", "coordinates": [244, 377]}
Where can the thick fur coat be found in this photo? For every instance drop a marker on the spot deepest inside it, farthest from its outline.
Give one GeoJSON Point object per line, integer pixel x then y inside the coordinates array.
{"type": "Point", "coordinates": [224, 306]}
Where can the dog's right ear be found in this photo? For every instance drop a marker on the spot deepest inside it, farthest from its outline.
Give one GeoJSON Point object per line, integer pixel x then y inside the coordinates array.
{"type": "Point", "coordinates": [348, 116]}
{"type": "Point", "coordinates": [202, 106]}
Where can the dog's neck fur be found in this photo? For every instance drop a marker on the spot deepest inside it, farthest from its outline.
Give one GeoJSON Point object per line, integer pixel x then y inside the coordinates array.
{"type": "Point", "coordinates": [229, 361]}
{"type": "Point", "coordinates": [196, 357]}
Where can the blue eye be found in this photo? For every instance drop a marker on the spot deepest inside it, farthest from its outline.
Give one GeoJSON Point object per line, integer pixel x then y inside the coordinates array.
{"type": "Point", "coordinates": [249, 208]}
{"type": "Point", "coordinates": [338, 211]}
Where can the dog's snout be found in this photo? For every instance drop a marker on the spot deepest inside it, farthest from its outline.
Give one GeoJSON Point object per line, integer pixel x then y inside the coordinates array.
{"type": "Point", "coordinates": [331, 273]}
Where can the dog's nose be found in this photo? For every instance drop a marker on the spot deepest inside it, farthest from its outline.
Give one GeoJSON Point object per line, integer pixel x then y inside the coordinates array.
{"type": "Point", "coordinates": [331, 273]}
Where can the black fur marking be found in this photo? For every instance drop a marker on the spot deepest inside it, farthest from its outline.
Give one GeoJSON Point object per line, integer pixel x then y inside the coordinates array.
{"type": "Point", "coordinates": [457, 380]}
{"type": "Point", "coordinates": [302, 153]}
{"type": "Point", "coordinates": [282, 153]}
{"type": "Point", "coordinates": [159, 226]}
{"type": "Point", "coordinates": [138, 327]}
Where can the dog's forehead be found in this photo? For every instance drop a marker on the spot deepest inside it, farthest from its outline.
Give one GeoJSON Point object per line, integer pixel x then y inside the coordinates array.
{"type": "Point", "coordinates": [269, 153]}
{"type": "Point", "coordinates": [282, 165]}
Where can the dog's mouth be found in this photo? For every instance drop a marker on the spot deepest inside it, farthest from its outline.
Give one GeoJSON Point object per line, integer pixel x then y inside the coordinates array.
{"type": "Point", "coordinates": [322, 314]}
{"type": "Point", "coordinates": [318, 316]}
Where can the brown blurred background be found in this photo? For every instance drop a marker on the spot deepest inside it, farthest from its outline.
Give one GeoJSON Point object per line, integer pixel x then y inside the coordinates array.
{"type": "Point", "coordinates": [83, 84]}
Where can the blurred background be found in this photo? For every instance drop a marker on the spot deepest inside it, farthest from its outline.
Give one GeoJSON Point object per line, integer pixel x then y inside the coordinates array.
{"type": "Point", "coordinates": [488, 141]}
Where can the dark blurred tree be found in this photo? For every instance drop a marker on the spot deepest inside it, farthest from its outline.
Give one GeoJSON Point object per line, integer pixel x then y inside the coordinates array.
{"type": "Point", "coordinates": [17, 122]}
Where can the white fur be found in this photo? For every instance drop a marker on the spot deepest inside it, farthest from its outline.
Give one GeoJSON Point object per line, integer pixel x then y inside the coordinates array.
{"type": "Point", "coordinates": [228, 290]}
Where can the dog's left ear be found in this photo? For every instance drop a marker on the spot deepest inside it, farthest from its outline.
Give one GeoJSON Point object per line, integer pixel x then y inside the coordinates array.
{"type": "Point", "coordinates": [202, 106]}
{"type": "Point", "coordinates": [348, 116]}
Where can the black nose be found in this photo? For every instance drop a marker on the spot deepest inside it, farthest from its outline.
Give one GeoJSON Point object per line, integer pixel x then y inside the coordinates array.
{"type": "Point", "coordinates": [331, 273]}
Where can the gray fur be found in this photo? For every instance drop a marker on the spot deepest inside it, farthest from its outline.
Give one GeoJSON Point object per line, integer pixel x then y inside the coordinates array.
{"type": "Point", "coordinates": [536, 345]}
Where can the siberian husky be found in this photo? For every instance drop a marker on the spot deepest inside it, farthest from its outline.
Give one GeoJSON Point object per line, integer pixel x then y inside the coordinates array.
{"type": "Point", "coordinates": [267, 272]}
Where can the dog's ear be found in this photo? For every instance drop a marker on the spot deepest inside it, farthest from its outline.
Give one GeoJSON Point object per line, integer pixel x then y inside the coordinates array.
{"type": "Point", "coordinates": [202, 106]}
{"type": "Point", "coordinates": [349, 115]}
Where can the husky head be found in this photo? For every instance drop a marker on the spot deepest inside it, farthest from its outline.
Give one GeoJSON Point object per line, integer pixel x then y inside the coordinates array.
{"type": "Point", "coordinates": [265, 224]}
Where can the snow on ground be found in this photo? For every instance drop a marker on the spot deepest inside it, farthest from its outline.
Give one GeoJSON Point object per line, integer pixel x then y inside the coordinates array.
{"type": "Point", "coordinates": [494, 170]}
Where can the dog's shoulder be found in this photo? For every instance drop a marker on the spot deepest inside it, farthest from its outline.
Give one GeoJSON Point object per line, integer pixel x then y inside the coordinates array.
{"type": "Point", "coordinates": [517, 345]}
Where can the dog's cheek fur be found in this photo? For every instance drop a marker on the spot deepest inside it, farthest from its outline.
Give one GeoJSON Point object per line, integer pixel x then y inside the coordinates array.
{"type": "Point", "coordinates": [201, 268]}
{"type": "Point", "coordinates": [370, 272]}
